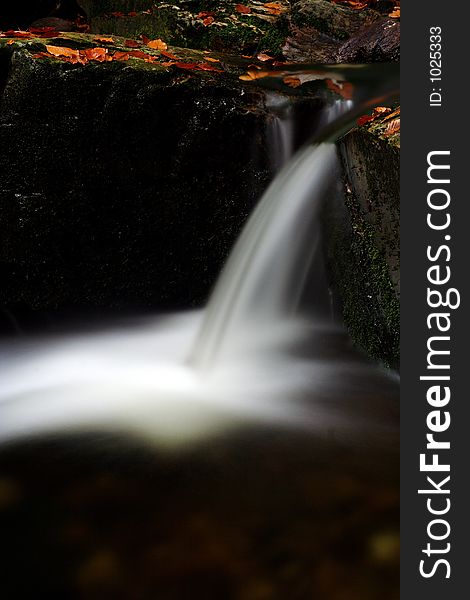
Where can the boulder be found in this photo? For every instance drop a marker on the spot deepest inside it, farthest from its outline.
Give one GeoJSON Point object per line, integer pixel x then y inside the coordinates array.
{"type": "Point", "coordinates": [363, 241]}
{"type": "Point", "coordinates": [380, 42]}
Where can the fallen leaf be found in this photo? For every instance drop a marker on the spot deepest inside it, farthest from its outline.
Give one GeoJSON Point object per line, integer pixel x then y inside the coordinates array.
{"type": "Point", "coordinates": [344, 89]}
{"type": "Point", "coordinates": [63, 51]}
{"type": "Point", "coordinates": [169, 55]}
{"type": "Point", "coordinates": [291, 81]}
{"type": "Point", "coordinates": [395, 14]}
{"type": "Point", "coordinates": [17, 34]}
{"type": "Point", "coordinates": [145, 38]}
{"type": "Point", "coordinates": [210, 59]}
{"type": "Point", "coordinates": [118, 14]}
{"type": "Point", "coordinates": [209, 67]}
{"type": "Point", "coordinates": [98, 54]}
{"type": "Point", "coordinates": [131, 44]}
{"type": "Point", "coordinates": [242, 9]}
{"type": "Point", "coordinates": [253, 74]}
{"type": "Point", "coordinates": [104, 40]}
{"type": "Point", "coordinates": [274, 8]}
{"type": "Point", "coordinates": [392, 127]}
{"type": "Point", "coordinates": [157, 44]}
{"type": "Point", "coordinates": [132, 14]}
{"type": "Point", "coordinates": [10, 42]}
{"type": "Point", "coordinates": [264, 57]}
{"type": "Point", "coordinates": [124, 56]}
{"type": "Point", "coordinates": [205, 14]}
{"type": "Point", "coordinates": [138, 54]}
{"type": "Point", "coordinates": [186, 66]}
{"type": "Point", "coordinates": [364, 119]}
{"type": "Point", "coordinates": [208, 21]}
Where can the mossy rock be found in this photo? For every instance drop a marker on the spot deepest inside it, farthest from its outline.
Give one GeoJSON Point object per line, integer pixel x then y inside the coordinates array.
{"type": "Point", "coordinates": [363, 238]}
{"type": "Point", "coordinates": [185, 23]}
{"type": "Point", "coordinates": [317, 28]}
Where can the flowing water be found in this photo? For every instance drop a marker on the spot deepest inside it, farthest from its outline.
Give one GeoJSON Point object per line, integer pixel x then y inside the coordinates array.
{"type": "Point", "coordinates": [268, 462]}
{"type": "Point", "coordinates": [184, 376]}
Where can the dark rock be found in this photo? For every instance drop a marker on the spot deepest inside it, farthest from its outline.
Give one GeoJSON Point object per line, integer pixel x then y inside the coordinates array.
{"type": "Point", "coordinates": [123, 184]}
{"type": "Point", "coordinates": [317, 28]}
{"type": "Point", "coordinates": [379, 42]}
{"type": "Point", "coordinates": [363, 233]}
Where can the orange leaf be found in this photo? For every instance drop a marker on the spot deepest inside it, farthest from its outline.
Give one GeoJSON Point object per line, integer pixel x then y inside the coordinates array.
{"type": "Point", "coordinates": [344, 89]}
{"type": "Point", "coordinates": [264, 57]}
{"type": "Point", "coordinates": [157, 44]}
{"type": "Point", "coordinates": [121, 56]}
{"type": "Point", "coordinates": [98, 54]}
{"type": "Point", "coordinates": [63, 51]}
{"type": "Point", "coordinates": [17, 34]}
{"type": "Point", "coordinates": [186, 66]}
{"type": "Point", "coordinates": [210, 59]}
{"type": "Point", "coordinates": [242, 9]}
{"type": "Point", "coordinates": [131, 44]}
{"type": "Point", "coordinates": [392, 127]}
{"type": "Point", "coordinates": [365, 119]}
{"type": "Point", "coordinates": [104, 40]}
{"type": "Point", "coordinates": [138, 54]}
{"type": "Point", "coordinates": [169, 55]}
{"type": "Point", "coordinates": [395, 14]}
{"type": "Point", "coordinates": [209, 67]}
{"type": "Point", "coordinates": [208, 21]}
{"type": "Point", "coordinates": [274, 8]}
{"type": "Point", "coordinates": [293, 82]}
{"type": "Point", "coordinates": [253, 74]}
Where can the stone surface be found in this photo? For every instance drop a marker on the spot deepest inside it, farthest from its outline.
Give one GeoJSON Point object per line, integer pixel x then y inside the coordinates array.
{"type": "Point", "coordinates": [379, 42]}
{"type": "Point", "coordinates": [363, 238]}
{"type": "Point", "coordinates": [318, 28]}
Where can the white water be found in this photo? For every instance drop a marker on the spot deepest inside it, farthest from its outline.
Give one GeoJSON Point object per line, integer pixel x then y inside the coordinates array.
{"type": "Point", "coordinates": [252, 357]}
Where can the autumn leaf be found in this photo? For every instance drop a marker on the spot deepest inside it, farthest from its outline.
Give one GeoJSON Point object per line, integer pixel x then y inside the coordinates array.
{"type": "Point", "coordinates": [204, 15]}
{"type": "Point", "coordinates": [104, 40]}
{"type": "Point", "coordinates": [131, 44]}
{"type": "Point", "coordinates": [291, 81]}
{"type": "Point", "coordinates": [118, 14]}
{"type": "Point", "coordinates": [98, 54]}
{"type": "Point", "coordinates": [344, 89]}
{"type": "Point", "coordinates": [209, 67]}
{"type": "Point", "coordinates": [157, 44]}
{"type": "Point", "coordinates": [123, 56]}
{"type": "Point", "coordinates": [208, 21]}
{"type": "Point", "coordinates": [395, 14]}
{"type": "Point", "coordinates": [132, 14]}
{"type": "Point", "coordinates": [169, 55]}
{"type": "Point", "coordinates": [185, 66]}
{"type": "Point", "coordinates": [138, 54]}
{"type": "Point", "coordinates": [61, 51]}
{"type": "Point", "coordinates": [43, 31]}
{"type": "Point", "coordinates": [274, 8]}
{"type": "Point", "coordinates": [242, 9]}
{"type": "Point", "coordinates": [210, 59]}
{"type": "Point", "coordinates": [253, 74]}
{"type": "Point", "coordinates": [392, 127]}
{"type": "Point", "coordinates": [17, 34]}
{"type": "Point", "coordinates": [264, 57]}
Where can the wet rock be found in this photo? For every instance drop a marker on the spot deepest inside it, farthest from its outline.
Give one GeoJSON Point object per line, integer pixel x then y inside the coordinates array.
{"type": "Point", "coordinates": [199, 24]}
{"type": "Point", "coordinates": [115, 189]}
{"type": "Point", "coordinates": [363, 233]}
{"type": "Point", "coordinates": [379, 42]}
{"type": "Point", "coordinates": [318, 28]}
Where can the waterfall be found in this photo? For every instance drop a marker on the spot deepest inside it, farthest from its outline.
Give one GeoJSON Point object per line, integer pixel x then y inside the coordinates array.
{"type": "Point", "coordinates": [254, 356]}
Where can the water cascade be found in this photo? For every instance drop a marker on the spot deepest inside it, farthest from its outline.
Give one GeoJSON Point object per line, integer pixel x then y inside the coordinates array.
{"type": "Point", "coordinates": [251, 357]}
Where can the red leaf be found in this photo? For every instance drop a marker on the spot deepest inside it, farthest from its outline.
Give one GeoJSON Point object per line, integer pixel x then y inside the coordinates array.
{"type": "Point", "coordinates": [208, 20]}
{"type": "Point", "coordinates": [169, 55]}
{"type": "Point", "coordinates": [242, 9]}
{"type": "Point", "coordinates": [186, 66]}
{"type": "Point", "coordinates": [131, 44]}
{"type": "Point", "coordinates": [138, 54]}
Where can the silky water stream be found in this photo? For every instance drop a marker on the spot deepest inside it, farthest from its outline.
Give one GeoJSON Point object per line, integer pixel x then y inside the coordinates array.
{"type": "Point", "coordinates": [244, 451]}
